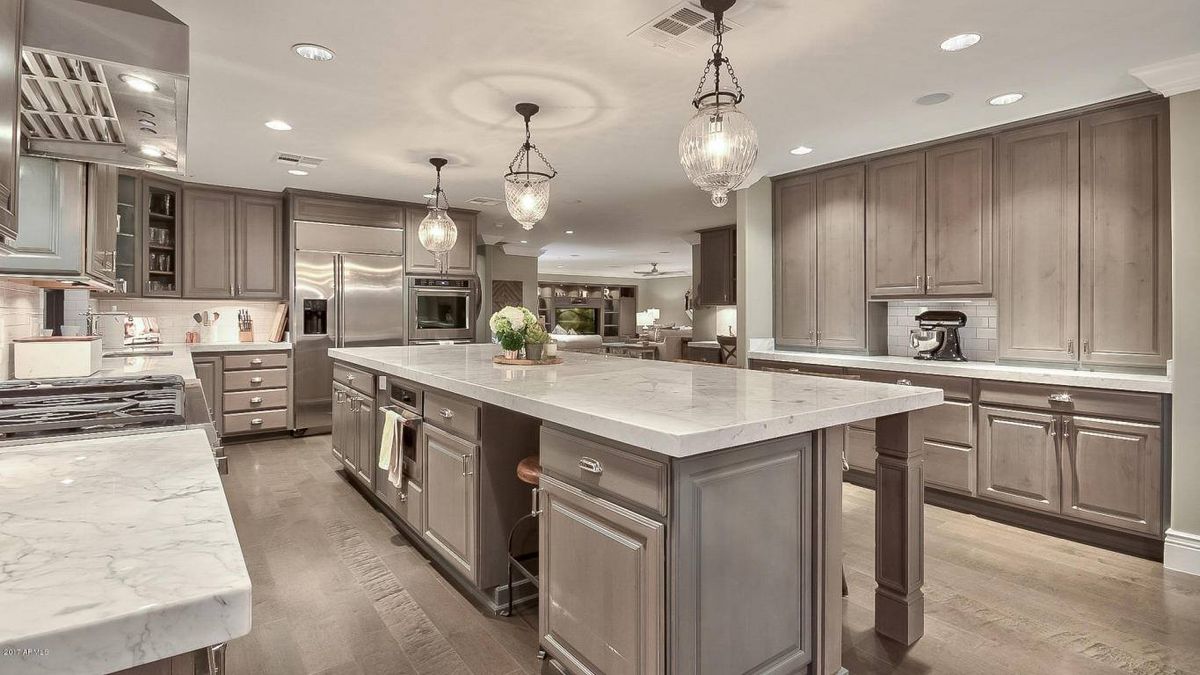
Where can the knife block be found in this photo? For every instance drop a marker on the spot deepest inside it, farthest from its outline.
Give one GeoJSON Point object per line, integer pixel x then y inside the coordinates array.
{"type": "Point", "coordinates": [246, 335]}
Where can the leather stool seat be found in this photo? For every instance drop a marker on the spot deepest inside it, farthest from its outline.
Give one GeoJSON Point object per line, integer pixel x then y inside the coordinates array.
{"type": "Point", "coordinates": [529, 470]}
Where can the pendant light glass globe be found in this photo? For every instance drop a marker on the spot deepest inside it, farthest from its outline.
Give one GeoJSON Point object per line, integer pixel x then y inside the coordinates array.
{"type": "Point", "coordinates": [437, 231]}
{"type": "Point", "coordinates": [718, 148]}
{"type": "Point", "coordinates": [527, 197]}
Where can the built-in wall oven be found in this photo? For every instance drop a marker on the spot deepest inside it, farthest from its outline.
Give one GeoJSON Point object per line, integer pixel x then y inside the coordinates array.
{"type": "Point", "coordinates": [442, 308]}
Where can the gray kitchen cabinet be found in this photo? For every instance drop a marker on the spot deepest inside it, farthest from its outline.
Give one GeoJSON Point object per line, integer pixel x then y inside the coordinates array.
{"type": "Point", "coordinates": [718, 267]}
{"type": "Point", "coordinates": [259, 246]}
{"type": "Point", "coordinates": [129, 235]}
{"type": "Point", "coordinates": [1125, 237]}
{"type": "Point", "coordinates": [11, 12]}
{"type": "Point", "coordinates": [208, 245]}
{"type": "Point", "coordinates": [896, 225]}
{"type": "Point", "coordinates": [209, 372]}
{"type": "Point", "coordinates": [345, 211]}
{"type": "Point", "coordinates": [450, 492]}
{"type": "Point", "coordinates": [459, 260]}
{"type": "Point", "coordinates": [958, 218]}
{"type": "Point", "coordinates": [602, 588]}
{"type": "Point", "coordinates": [162, 237]}
{"type": "Point", "coordinates": [1018, 458]}
{"type": "Point", "coordinates": [366, 441]}
{"type": "Point", "coordinates": [101, 233]}
{"type": "Point", "coordinates": [795, 215]}
{"type": "Point", "coordinates": [1037, 242]}
{"type": "Point", "coordinates": [820, 242]}
{"type": "Point", "coordinates": [345, 427]}
{"type": "Point", "coordinates": [841, 242]}
{"type": "Point", "coordinates": [1112, 473]}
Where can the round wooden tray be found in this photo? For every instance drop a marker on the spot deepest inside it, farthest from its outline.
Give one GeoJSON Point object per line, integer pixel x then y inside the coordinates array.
{"type": "Point", "coordinates": [553, 360]}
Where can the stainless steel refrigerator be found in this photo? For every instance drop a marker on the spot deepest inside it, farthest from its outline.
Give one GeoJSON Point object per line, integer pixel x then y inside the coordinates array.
{"type": "Point", "coordinates": [347, 291]}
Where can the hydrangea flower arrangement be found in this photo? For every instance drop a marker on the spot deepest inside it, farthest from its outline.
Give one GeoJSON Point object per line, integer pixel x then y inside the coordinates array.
{"type": "Point", "coordinates": [510, 325]}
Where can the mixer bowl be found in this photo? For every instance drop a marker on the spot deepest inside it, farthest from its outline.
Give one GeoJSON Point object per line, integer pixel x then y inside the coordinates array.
{"type": "Point", "coordinates": [926, 339]}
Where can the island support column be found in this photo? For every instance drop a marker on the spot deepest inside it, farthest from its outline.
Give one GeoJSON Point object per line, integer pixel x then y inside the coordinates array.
{"type": "Point", "coordinates": [899, 530]}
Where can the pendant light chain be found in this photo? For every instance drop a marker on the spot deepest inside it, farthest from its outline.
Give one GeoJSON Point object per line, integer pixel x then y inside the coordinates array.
{"type": "Point", "coordinates": [714, 66]}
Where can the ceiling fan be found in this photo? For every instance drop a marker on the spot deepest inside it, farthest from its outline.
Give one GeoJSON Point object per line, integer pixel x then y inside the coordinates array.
{"type": "Point", "coordinates": [654, 271]}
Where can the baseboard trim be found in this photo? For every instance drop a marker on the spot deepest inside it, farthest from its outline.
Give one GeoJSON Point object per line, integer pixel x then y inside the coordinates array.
{"type": "Point", "coordinates": [1181, 552]}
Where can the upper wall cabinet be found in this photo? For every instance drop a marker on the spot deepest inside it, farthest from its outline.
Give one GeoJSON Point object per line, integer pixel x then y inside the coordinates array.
{"type": "Point", "coordinates": [718, 267]}
{"type": "Point", "coordinates": [10, 96]}
{"type": "Point", "coordinates": [460, 259]}
{"type": "Point", "coordinates": [1125, 237]}
{"type": "Point", "coordinates": [929, 221]}
{"type": "Point", "coordinates": [795, 213]}
{"type": "Point", "coordinates": [1037, 242]}
{"type": "Point", "coordinates": [346, 211]}
{"type": "Point", "coordinates": [208, 243]}
{"type": "Point", "coordinates": [259, 244]}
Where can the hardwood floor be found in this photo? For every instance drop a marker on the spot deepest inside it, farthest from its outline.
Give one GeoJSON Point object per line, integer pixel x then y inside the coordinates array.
{"type": "Point", "coordinates": [338, 590]}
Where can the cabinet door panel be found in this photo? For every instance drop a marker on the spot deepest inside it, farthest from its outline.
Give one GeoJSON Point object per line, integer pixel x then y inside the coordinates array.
{"type": "Point", "coordinates": [896, 226]}
{"type": "Point", "coordinates": [1112, 473]}
{"type": "Point", "coordinates": [796, 261]}
{"type": "Point", "coordinates": [717, 250]}
{"type": "Point", "coordinates": [259, 247]}
{"type": "Point", "coordinates": [1125, 233]}
{"type": "Point", "coordinates": [1018, 458]}
{"type": "Point", "coordinates": [10, 98]}
{"type": "Point", "coordinates": [1037, 214]}
{"type": "Point", "coordinates": [841, 250]}
{"type": "Point", "coordinates": [101, 231]}
{"type": "Point", "coordinates": [602, 599]}
{"type": "Point", "coordinates": [367, 442]}
{"type": "Point", "coordinates": [461, 259]}
{"type": "Point", "coordinates": [208, 244]}
{"type": "Point", "coordinates": [450, 497]}
{"type": "Point", "coordinates": [949, 466]}
{"type": "Point", "coordinates": [340, 406]}
{"type": "Point", "coordinates": [958, 220]}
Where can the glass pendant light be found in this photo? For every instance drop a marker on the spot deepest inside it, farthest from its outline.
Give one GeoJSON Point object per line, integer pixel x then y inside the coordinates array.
{"type": "Point", "coordinates": [437, 232]}
{"type": "Point", "coordinates": [527, 192]}
{"type": "Point", "coordinates": [718, 145]}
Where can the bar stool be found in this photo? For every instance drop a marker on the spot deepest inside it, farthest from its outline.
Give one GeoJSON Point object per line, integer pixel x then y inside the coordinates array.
{"type": "Point", "coordinates": [529, 470]}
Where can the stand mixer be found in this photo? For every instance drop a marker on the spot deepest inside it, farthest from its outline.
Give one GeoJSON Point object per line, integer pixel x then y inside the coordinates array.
{"type": "Point", "coordinates": [937, 337]}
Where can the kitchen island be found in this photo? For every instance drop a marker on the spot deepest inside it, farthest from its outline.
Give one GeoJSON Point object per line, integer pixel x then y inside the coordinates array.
{"type": "Point", "coordinates": [686, 514]}
{"type": "Point", "coordinates": [118, 551]}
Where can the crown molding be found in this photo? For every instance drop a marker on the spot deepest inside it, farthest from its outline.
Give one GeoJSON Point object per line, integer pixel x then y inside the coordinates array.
{"type": "Point", "coordinates": [1175, 76]}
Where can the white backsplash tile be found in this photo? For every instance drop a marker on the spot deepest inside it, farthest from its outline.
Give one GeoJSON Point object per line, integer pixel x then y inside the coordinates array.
{"type": "Point", "coordinates": [978, 337]}
{"type": "Point", "coordinates": [175, 316]}
{"type": "Point", "coordinates": [22, 311]}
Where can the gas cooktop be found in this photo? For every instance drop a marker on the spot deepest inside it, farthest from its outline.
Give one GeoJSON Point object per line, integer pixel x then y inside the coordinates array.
{"type": "Point", "coordinates": [57, 407]}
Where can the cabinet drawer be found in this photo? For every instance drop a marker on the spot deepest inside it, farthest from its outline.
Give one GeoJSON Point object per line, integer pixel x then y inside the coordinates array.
{"type": "Point", "coordinates": [632, 478]}
{"type": "Point", "coordinates": [354, 378]}
{"type": "Point", "coordinates": [265, 420]}
{"type": "Point", "coordinates": [240, 401]}
{"type": "Point", "coordinates": [795, 368]}
{"type": "Point", "coordinates": [452, 414]}
{"type": "Point", "coordinates": [950, 467]}
{"type": "Point", "coordinates": [950, 422]}
{"type": "Point", "coordinates": [1119, 404]}
{"type": "Point", "coordinates": [241, 380]}
{"type": "Point", "coordinates": [256, 361]}
{"type": "Point", "coordinates": [952, 387]}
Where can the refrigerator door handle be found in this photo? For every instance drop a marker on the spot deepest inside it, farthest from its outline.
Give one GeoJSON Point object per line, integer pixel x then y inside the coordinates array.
{"type": "Point", "coordinates": [337, 295]}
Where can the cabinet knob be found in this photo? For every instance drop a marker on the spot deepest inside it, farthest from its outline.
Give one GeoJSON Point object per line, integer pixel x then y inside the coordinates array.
{"type": "Point", "coordinates": [349, 377]}
{"type": "Point", "coordinates": [446, 413]}
{"type": "Point", "coordinates": [256, 400]}
{"type": "Point", "coordinates": [256, 421]}
{"type": "Point", "coordinates": [256, 380]}
{"type": "Point", "coordinates": [904, 381]}
{"type": "Point", "coordinates": [403, 497]}
{"type": "Point", "coordinates": [591, 465]}
{"type": "Point", "coordinates": [256, 362]}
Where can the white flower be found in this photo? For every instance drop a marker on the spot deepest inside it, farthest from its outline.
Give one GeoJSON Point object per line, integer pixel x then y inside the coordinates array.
{"type": "Point", "coordinates": [509, 318]}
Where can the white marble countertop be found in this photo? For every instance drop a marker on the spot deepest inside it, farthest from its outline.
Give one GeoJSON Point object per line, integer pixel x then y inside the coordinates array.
{"type": "Point", "coordinates": [214, 347]}
{"type": "Point", "coordinates": [1160, 384]}
{"type": "Point", "coordinates": [675, 409]}
{"type": "Point", "coordinates": [116, 551]}
{"type": "Point", "coordinates": [179, 362]}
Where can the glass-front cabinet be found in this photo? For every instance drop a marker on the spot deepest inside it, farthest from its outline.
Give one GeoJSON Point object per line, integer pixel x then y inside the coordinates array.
{"type": "Point", "coordinates": [129, 236]}
{"type": "Point", "coordinates": [160, 237]}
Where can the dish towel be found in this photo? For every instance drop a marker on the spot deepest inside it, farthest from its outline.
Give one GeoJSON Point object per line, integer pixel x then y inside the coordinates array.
{"type": "Point", "coordinates": [387, 443]}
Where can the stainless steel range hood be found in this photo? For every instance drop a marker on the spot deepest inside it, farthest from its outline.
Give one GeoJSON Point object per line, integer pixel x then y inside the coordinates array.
{"type": "Point", "coordinates": [74, 102]}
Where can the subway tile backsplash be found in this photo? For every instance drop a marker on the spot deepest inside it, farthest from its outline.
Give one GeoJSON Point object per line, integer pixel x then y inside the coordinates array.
{"type": "Point", "coordinates": [22, 312]}
{"type": "Point", "coordinates": [175, 316]}
{"type": "Point", "coordinates": [978, 337]}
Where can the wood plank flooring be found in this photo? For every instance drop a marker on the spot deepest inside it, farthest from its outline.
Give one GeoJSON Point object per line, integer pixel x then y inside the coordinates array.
{"type": "Point", "coordinates": [338, 590]}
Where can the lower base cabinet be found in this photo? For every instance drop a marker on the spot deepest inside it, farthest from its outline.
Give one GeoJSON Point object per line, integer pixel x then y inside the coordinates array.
{"type": "Point", "coordinates": [602, 594]}
{"type": "Point", "coordinates": [1112, 473]}
{"type": "Point", "coordinates": [450, 493]}
{"type": "Point", "coordinates": [1018, 458]}
{"type": "Point", "coordinates": [354, 440]}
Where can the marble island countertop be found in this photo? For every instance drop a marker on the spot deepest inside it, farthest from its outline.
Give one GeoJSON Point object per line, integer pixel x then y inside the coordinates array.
{"type": "Point", "coordinates": [116, 551]}
{"type": "Point", "coordinates": [1160, 384]}
{"type": "Point", "coordinates": [675, 409]}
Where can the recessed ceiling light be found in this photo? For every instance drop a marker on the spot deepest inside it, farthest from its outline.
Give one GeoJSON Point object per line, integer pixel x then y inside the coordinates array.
{"type": "Point", "coordinates": [959, 42]}
{"type": "Point", "coordinates": [933, 99]}
{"type": "Point", "coordinates": [313, 52]}
{"type": "Point", "coordinates": [1005, 99]}
{"type": "Point", "coordinates": [152, 151]}
{"type": "Point", "coordinates": [278, 125]}
{"type": "Point", "coordinates": [801, 150]}
{"type": "Point", "coordinates": [139, 83]}
{"type": "Point", "coordinates": [298, 172]}
{"type": "Point", "coordinates": [570, 232]}
{"type": "Point", "coordinates": [558, 265]}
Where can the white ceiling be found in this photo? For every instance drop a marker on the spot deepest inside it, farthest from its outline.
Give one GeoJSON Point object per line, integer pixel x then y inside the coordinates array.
{"type": "Point", "coordinates": [414, 79]}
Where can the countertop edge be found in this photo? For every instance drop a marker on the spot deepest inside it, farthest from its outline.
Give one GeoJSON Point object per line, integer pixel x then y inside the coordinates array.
{"type": "Point", "coordinates": [1156, 384]}
{"type": "Point", "coordinates": [676, 446]}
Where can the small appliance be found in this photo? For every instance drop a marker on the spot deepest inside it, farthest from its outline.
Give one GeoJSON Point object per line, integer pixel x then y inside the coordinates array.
{"type": "Point", "coordinates": [936, 339]}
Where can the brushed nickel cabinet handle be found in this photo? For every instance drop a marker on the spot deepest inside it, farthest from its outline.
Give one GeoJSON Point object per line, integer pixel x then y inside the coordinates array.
{"type": "Point", "coordinates": [810, 336]}
{"type": "Point", "coordinates": [256, 380]}
{"type": "Point", "coordinates": [920, 286]}
{"type": "Point", "coordinates": [904, 381]}
{"type": "Point", "coordinates": [1066, 427]}
{"type": "Point", "coordinates": [1087, 347]}
{"type": "Point", "coordinates": [1071, 347]}
{"type": "Point", "coordinates": [256, 400]}
{"type": "Point", "coordinates": [256, 362]}
{"type": "Point", "coordinates": [256, 421]}
{"type": "Point", "coordinates": [1064, 397]}
{"type": "Point", "coordinates": [446, 413]}
{"type": "Point", "coordinates": [591, 465]}
{"type": "Point", "coordinates": [930, 283]}
{"type": "Point", "coordinates": [1053, 428]}
{"type": "Point", "coordinates": [339, 397]}
{"type": "Point", "coordinates": [349, 377]}
{"type": "Point", "coordinates": [466, 465]}
{"type": "Point", "coordinates": [536, 509]}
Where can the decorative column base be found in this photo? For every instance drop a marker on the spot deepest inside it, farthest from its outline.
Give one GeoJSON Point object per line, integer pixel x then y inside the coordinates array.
{"type": "Point", "coordinates": [899, 529]}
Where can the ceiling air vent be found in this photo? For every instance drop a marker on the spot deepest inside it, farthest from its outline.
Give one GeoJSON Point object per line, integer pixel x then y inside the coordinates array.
{"type": "Point", "coordinates": [681, 29]}
{"type": "Point", "coordinates": [485, 201]}
{"type": "Point", "coordinates": [298, 161]}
